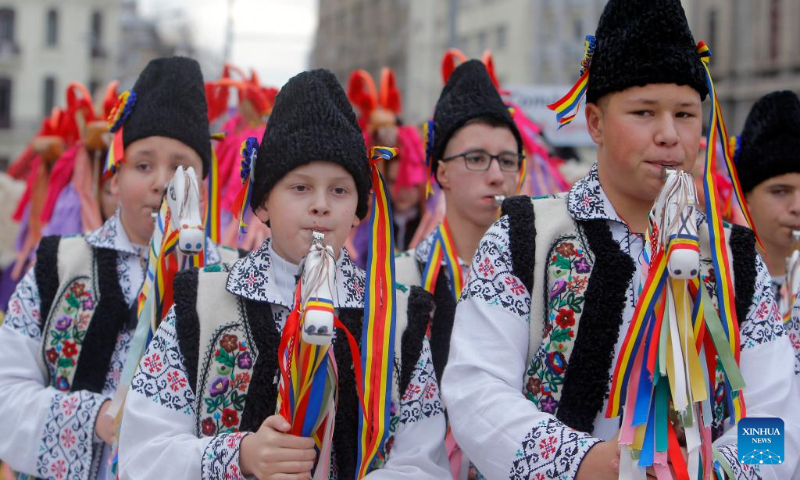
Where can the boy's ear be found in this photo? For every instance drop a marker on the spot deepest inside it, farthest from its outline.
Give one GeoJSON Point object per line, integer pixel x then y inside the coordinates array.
{"type": "Point", "coordinates": [113, 184]}
{"type": "Point", "coordinates": [356, 221]}
{"type": "Point", "coordinates": [262, 213]}
{"type": "Point", "coordinates": [441, 175]}
{"type": "Point", "coordinates": [594, 122]}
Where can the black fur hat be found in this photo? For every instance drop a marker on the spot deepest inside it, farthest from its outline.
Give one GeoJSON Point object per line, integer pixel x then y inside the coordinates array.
{"type": "Point", "coordinates": [171, 102]}
{"type": "Point", "coordinates": [770, 142]}
{"type": "Point", "coordinates": [640, 42]}
{"type": "Point", "coordinates": [468, 94]}
{"type": "Point", "coordinates": [312, 120]}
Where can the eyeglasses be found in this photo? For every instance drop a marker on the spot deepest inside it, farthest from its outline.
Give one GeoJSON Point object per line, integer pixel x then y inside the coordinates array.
{"type": "Point", "coordinates": [480, 161]}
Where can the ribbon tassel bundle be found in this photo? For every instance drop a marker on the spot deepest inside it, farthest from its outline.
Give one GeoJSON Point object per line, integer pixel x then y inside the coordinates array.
{"type": "Point", "coordinates": [307, 392]}
{"type": "Point", "coordinates": [676, 343]}
{"type": "Point", "coordinates": [308, 384]}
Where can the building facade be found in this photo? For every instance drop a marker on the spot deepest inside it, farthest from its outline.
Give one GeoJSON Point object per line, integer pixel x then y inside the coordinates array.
{"type": "Point", "coordinates": [755, 50]}
{"type": "Point", "coordinates": [45, 45]}
{"type": "Point", "coordinates": [368, 34]}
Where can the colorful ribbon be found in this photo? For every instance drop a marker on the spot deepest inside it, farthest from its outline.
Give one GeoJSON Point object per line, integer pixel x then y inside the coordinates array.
{"type": "Point", "coordinates": [309, 381]}
{"type": "Point", "coordinates": [568, 106]}
{"type": "Point", "coordinates": [443, 250]}
{"type": "Point", "coordinates": [377, 343]}
{"type": "Point", "coordinates": [119, 114]}
{"type": "Point", "coordinates": [248, 153]}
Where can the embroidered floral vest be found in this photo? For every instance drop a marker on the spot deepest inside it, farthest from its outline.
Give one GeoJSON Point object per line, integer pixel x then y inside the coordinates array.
{"type": "Point", "coordinates": [580, 272]}
{"type": "Point", "coordinates": [230, 345]}
{"type": "Point", "coordinates": [83, 311]}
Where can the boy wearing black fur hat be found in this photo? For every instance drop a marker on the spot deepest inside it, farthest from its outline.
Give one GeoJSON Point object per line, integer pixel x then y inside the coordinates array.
{"type": "Point", "coordinates": [311, 176]}
{"type": "Point", "coordinates": [768, 163]}
{"type": "Point", "coordinates": [554, 285]}
{"type": "Point", "coordinates": [476, 155]}
{"type": "Point", "coordinates": [67, 335]}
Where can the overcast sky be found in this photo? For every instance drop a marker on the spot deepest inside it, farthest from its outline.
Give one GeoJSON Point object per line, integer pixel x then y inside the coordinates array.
{"type": "Point", "coordinates": [274, 37]}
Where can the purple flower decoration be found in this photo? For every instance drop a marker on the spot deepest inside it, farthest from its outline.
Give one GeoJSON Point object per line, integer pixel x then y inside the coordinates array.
{"type": "Point", "coordinates": [245, 361]}
{"type": "Point", "coordinates": [548, 404]}
{"type": "Point", "coordinates": [219, 386]}
{"type": "Point", "coordinates": [88, 304]}
{"type": "Point", "coordinates": [558, 288]}
{"type": "Point", "coordinates": [63, 323]}
{"type": "Point", "coordinates": [582, 266]}
{"type": "Point", "coordinates": [62, 384]}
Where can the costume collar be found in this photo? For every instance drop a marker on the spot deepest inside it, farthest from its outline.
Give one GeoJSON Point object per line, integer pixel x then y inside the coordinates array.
{"type": "Point", "coordinates": [423, 249]}
{"type": "Point", "coordinates": [112, 236]}
{"type": "Point", "coordinates": [588, 201]}
{"type": "Point", "coordinates": [263, 276]}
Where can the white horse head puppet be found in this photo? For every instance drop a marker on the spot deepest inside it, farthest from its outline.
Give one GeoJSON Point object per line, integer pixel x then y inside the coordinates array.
{"type": "Point", "coordinates": [319, 273]}
{"type": "Point", "coordinates": [183, 198]}
{"type": "Point", "coordinates": [674, 214]}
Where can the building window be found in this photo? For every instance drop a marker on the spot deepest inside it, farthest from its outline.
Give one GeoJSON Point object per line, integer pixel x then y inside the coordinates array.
{"type": "Point", "coordinates": [501, 37]}
{"type": "Point", "coordinates": [52, 27]}
{"type": "Point", "coordinates": [5, 103]}
{"type": "Point", "coordinates": [7, 42]}
{"type": "Point", "coordinates": [49, 95]}
{"type": "Point", "coordinates": [774, 29]}
{"type": "Point", "coordinates": [96, 38]}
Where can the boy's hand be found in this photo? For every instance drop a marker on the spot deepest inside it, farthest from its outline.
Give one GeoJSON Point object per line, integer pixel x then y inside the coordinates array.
{"type": "Point", "coordinates": [270, 453]}
{"type": "Point", "coordinates": [104, 426]}
{"type": "Point", "coordinates": [602, 461]}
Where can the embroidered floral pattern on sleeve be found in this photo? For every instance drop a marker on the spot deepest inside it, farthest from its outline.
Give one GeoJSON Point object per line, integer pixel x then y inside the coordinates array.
{"type": "Point", "coordinates": [568, 272]}
{"type": "Point", "coordinates": [491, 279]}
{"type": "Point", "coordinates": [551, 450]}
{"type": "Point", "coordinates": [67, 440]}
{"type": "Point", "coordinates": [161, 375]}
{"type": "Point", "coordinates": [740, 471]}
{"type": "Point", "coordinates": [225, 396]}
{"type": "Point", "coordinates": [792, 327]}
{"type": "Point", "coordinates": [118, 359]}
{"type": "Point", "coordinates": [421, 399]}
{"type": "Point", "coordinates": [221, 457]}
{"type": "Point", "coordinates": [23, 308]}
{"type": "Point", "coordinates": [763, 323]}
{"type": "Point", "coordinates": [67, 331]}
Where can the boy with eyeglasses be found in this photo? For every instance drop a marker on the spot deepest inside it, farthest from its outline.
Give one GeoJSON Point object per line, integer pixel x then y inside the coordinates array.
{"type": "Point", "coordinates": [556, 281]}
{"type": "Point", "coordinates": [475, 153]}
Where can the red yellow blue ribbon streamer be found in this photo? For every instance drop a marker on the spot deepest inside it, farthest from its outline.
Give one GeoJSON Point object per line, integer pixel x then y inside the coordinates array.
{"type": "Point", "coordinates": [568, 106]}
{"type": "Point", "coordinates": [308, 386]}
{"type": "Point", "coordinates": [377, 344]}
{"type": "Point", "coordinates": [443, 250]}
{"type": "Point", "coordinates": [121, 111]}
{"type": "Point", "coordinates": [248, 152]}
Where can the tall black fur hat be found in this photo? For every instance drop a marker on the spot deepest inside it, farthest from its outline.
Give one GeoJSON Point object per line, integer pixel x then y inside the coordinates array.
{"type": "Point", "coordinates": [770, 142]}
{"type": "Point", "coordinates": [640, 42]}
{"type": "Point", "coordinates": [312, 120]}
{"type": "Point", "coordinates": [171, 102]}
{"type": "Point", "coordinates": [469, 93]}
